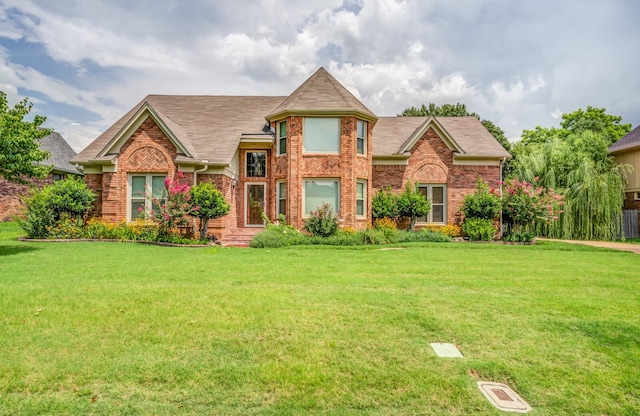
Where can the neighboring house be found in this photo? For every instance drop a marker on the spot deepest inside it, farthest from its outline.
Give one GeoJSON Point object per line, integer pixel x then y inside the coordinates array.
{"type": "Point", "coordinates": [627, 151]}
{"type": "Point", "coordinates": [61, 153]}
{"type": "Point", "coordinates": [287, 155]}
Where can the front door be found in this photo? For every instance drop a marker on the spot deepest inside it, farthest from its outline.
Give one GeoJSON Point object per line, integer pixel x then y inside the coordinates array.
{"type": "Point", "coordinates": [255, 204]}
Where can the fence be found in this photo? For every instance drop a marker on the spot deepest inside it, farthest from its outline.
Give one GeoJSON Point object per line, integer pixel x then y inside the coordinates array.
{"type": "Point", "coordinates": [630, 224]}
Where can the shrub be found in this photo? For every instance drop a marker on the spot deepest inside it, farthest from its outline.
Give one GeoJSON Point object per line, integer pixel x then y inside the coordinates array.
{"type": "Point", "coordinates": [384, 204]}
{"type": "Point", "coordinates": [520, 237]}
{"type": "Point", "coordinates": [60, 201]}
{"type": "Point", "coordinates": [423, 236]}
{"type": "Point", "coordinates": [66, 228]}
{"type": "Point", "coordinates": [385, 223]}
{"type": "Point", "coordinates": [484, 203]}
{"type": "Point", "coordinates": [277, 236]}
{"type": "Point", "coordinates": [377, 236]}
{"type": "Point", "coordinates": [479, 229]}
{"type": "Point", "coordinates": [322, 222]}
{"type": "Point", "coordinates": [451, 230]}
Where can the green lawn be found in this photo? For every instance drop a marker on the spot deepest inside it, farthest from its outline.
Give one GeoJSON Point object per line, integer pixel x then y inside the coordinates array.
{"type": "Point", "coordinates": [117, 328]}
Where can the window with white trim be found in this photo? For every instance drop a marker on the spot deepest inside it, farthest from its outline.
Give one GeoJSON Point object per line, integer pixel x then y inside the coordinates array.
{"type": "Point", "coordinates": [637, 196]}
{"type": "Point", "coordinates": [320, 191]}
{"type": "Point", "coordinates": [144, 188]}
{"type": "Point", "coordinates": [361, 198]}
{"type": "Point", "coordinates": [321, 135]}
{"type": "Point", "coordinates": [256, 166]}
{"type": "Point", "coordinates": [361, 140]}
{"type": "Point", "coordinates": [437, 195]}
{"type": "Point", "coordinates": [281, 197]}
{"type": "Point", "coordinates": [282, 137]}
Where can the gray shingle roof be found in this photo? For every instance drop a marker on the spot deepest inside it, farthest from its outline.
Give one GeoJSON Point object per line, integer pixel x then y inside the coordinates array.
{"type": "Point", "coordinates": [321, 92]}
{"type": "Point", "coordinates": [391, 134]}
{"type": "Point", "coordinates": [630, 141]}
{"type": "Point", "coordinates": [208, 126]}
{"type": "Point", "coordinates": [61, 153]}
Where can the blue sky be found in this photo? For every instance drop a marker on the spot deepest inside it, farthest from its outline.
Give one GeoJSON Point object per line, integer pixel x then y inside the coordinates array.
{"type": "Point", "coordinates": [517, 63]}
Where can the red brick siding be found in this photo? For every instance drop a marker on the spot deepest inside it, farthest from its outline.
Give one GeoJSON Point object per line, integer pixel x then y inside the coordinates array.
{"type": "Point", "coordinates": [431, 162]}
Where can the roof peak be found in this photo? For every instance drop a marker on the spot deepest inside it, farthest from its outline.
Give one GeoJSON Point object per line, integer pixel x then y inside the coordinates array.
{"type": "Point", "coordinates": [322, 93]}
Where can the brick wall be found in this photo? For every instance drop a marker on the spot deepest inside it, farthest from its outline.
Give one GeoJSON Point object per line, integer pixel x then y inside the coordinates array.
{"type": "Point", "coordinates": [11, 195]}
{"type": "Point", "coordinates": [431, 162]}
{"type": "Point", "coordinates": [295, 167]}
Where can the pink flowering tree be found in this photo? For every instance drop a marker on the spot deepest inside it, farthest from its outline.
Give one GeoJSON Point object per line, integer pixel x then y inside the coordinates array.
{"type": "Point", "coordinates": [525, 204]}
{"type": "Point", "coordinates": [173, 207]}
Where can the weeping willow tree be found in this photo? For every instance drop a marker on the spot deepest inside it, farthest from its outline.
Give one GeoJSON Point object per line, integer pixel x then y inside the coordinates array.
{"type": "Point", "coordinates": [578, 167]}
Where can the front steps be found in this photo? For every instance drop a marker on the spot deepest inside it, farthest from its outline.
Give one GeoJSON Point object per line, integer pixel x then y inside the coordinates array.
{"type": "Point", "coordinates": [240, 237]}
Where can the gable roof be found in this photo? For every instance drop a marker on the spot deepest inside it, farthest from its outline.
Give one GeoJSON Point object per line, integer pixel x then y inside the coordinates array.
{"type": "Point", "coordinates": [321, 94]}
{"type": "Point", "coordinates": [205, 127]}
{"type": "Point", "coordinates": [61, 153]}
{"type": "Point", "coordinates": [628, 142]}
{"type": "Point", "coordinates": [464, 135]}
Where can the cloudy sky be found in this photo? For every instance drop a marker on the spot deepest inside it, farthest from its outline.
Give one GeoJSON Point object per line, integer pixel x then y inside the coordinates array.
{"type": "Point", "coordinates": [84, 63]}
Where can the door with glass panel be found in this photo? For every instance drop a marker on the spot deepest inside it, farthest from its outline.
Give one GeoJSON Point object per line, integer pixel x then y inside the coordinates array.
{"type": "Point", "coordinates": [255, 204]}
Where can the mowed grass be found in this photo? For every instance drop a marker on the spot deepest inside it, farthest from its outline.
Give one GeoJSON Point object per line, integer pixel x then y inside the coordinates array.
{"type": "Point", "coordinates": [116, 328]}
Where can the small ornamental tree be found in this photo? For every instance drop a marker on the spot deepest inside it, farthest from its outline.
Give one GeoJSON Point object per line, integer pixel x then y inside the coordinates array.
{"type": "Point", "coordinates": [525, 203]}
{"type": "Point", "coordinates": [207, 203]}
{"type": "Point", "coordinates": [172, 208]}
{"type": "Point", "coordinates": [384, 204]}
{"type": "Point", "coordinates": [484, 203]}
{"type": "Point", "coordinates": [412, 204]}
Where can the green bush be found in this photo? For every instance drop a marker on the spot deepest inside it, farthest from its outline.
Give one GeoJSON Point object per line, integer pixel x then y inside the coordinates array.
{"type": "Point", "coordinates": [51, 208]}
{"type": "Point", "coordinates": [520, 237]}
{"type": "Point", "coordinates": [208, 203]}
{"type": "Point", "coordinates": [384, 204]}
{"type": "Point", "coordinates": [322, 222]}
{"type": "Point", "coordinates": [422, 236]}
{"type": "Point", "coordinates": [479, 229]}
{"type": "Point", "coordinates": [412, 204]}
{"type": "Point", "coordinates": [277, 236]}
{"type": "Point", "coordinates": [484, 203]}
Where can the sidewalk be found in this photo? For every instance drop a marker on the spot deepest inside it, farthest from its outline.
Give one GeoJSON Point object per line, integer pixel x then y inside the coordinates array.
{"type": "Point", "coordinates": [634, 248]}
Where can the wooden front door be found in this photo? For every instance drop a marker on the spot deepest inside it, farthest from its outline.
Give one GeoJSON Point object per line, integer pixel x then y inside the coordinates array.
{"type": "Point", "coordinates": [255, 203]}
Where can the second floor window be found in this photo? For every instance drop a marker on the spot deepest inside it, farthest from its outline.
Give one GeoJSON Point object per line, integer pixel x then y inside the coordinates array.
{"type": "Point", "coordinates": [282, 137]}
{"type": "Point", "coordinates": [256, 164]}
{"type": "Point", "coordinates": [361, 141]}
{"type": "Point", "coordinates": [321, 135]}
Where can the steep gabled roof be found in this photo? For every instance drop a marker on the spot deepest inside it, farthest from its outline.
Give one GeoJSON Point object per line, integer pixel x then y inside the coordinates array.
{"type": "Point", "coordinates": [464, 135]}
{"type": "Point", "coordinates": [628, 142]}
{"type": "Point", "coordinates": [61, 153]}
{"type": "Point", "coordinates": [206, 127]}
{"type": "Point", "coordinates": [321, 94]}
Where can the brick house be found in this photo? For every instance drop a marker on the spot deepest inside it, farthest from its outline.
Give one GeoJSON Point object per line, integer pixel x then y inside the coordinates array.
{"type": "Point", "coordinates": [11, 193]}
{"type": "Point", "coordinates": [287, 155]}
{"type": "Point", "coordinates": [627, 151]}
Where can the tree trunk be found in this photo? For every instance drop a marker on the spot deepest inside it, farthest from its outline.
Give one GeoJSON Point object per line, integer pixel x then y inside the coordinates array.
{"type": "Point", "coordinates": [204, 228]}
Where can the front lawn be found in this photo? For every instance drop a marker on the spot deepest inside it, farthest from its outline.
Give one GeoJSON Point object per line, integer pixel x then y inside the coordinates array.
{"type": "Point", "coordinates": [120, 328]}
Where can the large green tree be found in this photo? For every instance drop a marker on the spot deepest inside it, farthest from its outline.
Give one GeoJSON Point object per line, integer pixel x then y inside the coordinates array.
{"type": "Point", "coordinates": [574, 160]}
{"type": "Point", "coordinates": [457, 110]}
{"type": "Point", "coordinates": [20, 142]}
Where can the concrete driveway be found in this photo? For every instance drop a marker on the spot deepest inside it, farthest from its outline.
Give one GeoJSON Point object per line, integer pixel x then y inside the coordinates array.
{"type": "Point", "coordinates": [634, 248]}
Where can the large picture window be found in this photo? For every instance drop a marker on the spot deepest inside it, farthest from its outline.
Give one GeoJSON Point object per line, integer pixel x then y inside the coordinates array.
{"type": "Point", "coordinates": [320, 191]}
{"type": "Point", "coordinates": [256, 164]}
{"type": "Point", "coordinates": [361, 140]}
{"type": "Point", "coordinates": [282, 137]}
{"type": "Point", "coordinates": [321, 135]}
{"type": "Point", "coordinates": [437, 194]}
{"type": "Point", "coordinates": [143, 188]}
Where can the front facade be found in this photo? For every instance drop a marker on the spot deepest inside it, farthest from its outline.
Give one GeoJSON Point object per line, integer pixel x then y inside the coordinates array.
{"type": "Point", "coordinates": [286, 156]}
